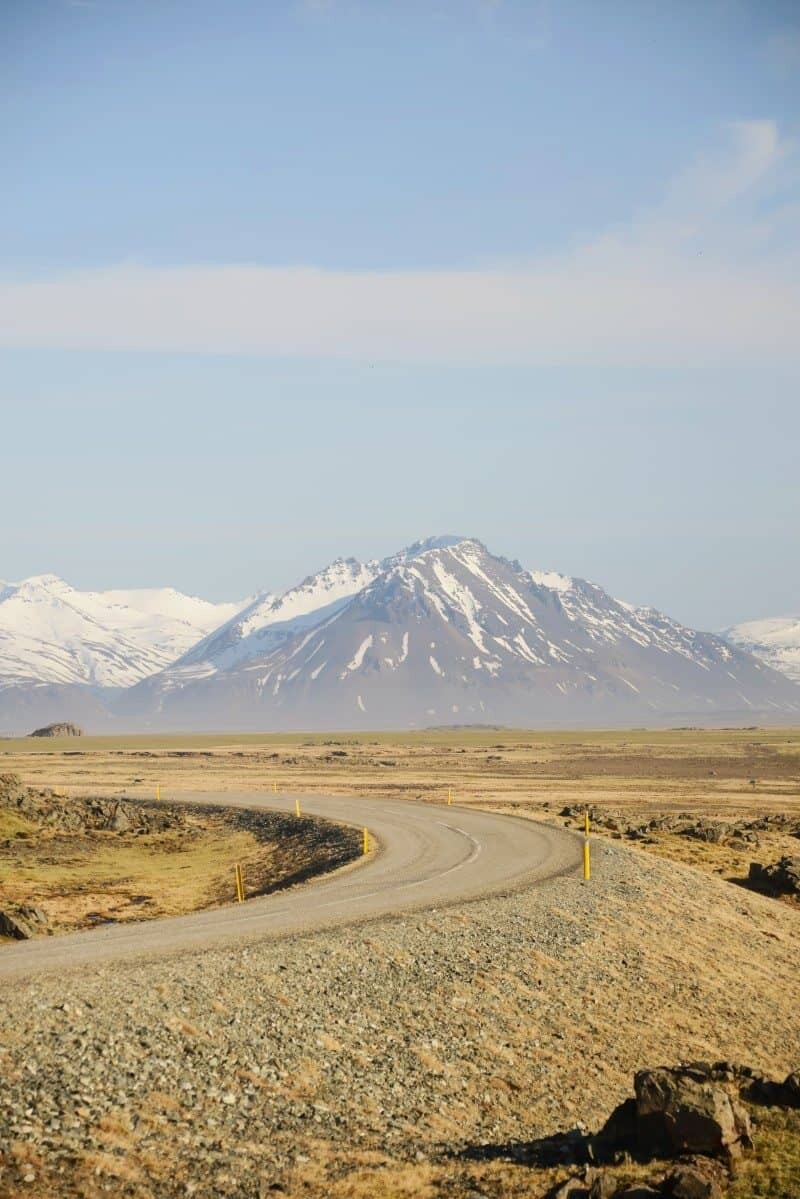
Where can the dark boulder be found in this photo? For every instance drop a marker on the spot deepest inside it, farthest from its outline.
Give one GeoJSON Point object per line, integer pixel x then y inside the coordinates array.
{"type": "Point", "coordinates": [693, 1181]}
{"type": "Point", "coordinates": [603, 1186]}
{"type": "Point", "coordinates": [679, 1111]}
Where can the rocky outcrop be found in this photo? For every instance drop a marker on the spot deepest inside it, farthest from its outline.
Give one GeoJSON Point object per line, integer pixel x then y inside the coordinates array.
{"type": "Point", "coordinates": [21, 922]}
{"type": "Point", "coordinates": [738, 834]}
{"type": "Point", "coordinates": [62, 728]}
{"type": "Point", "coordinates": [779, 878]}
{"type": "Point", "coordinates": [693, 1114]}
{"type": "Point", "coordinates": [61, 813]}
{"type": "Point", "coordinates": [689, 1180]}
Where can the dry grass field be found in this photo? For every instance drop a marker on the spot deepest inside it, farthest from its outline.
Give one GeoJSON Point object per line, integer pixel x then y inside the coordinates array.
{"type": "Point", "coordinates": [728, 771]}
{"type": "Point", "coordinates": [725, 775]}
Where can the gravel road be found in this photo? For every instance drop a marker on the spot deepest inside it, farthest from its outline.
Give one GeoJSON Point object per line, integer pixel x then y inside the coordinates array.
{"type": "Point", "coordinates": [426, 855]}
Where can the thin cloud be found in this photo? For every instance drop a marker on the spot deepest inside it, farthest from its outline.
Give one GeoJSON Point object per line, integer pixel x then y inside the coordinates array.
{"type": "Point", "coordinates": [671, 289]}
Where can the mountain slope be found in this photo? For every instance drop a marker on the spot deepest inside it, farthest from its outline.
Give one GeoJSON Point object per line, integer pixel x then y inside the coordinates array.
{"type": "Point", "coordinates": [448, 633]}
{"type": "Point", "coordinates": [269, 622]}
{"type": "Point", "coordinates": [775, 641]}
{"type": "Point", "coordinates": [53, 634]}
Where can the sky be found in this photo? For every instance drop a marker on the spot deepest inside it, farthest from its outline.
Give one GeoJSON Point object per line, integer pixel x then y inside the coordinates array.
{"type": "Point", "coordinates": [288, 280]}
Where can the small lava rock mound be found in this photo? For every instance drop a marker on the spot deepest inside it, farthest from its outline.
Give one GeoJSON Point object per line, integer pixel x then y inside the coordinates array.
{"type": "Point", "coordinates": [689, 1180]}
{"type": "Point", "coordinates": [62, 728]}
{"type": "Point", "coordinates": [738, 834]}
{"type": "Point", "coordinates": [62, 813]}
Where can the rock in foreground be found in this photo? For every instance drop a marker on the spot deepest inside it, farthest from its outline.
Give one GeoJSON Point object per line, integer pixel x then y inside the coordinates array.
{"type": "Point", "coordinates": [679, 1110]}
{"type": "Point", "coordinates": [691, 1114]}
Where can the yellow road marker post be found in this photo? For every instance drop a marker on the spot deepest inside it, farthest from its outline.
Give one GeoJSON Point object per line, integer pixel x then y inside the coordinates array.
{"type": "Point", "coordinates": [587, 865]}
{"type": "Point", "coordinates": [158, 791]}
{"type": "Point", "coordinates": [239, 884]}
{"type": "Point", "coordinates": [449, 796]}
{"type": "Point", "coordinates": [274, 787]}
{"type": "Point", "coordinates": [366, 840]}
{"type": "Point", "coordinates": [297, 807]}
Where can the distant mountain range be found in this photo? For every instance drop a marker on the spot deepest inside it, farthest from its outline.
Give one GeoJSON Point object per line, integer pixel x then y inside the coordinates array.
{"type": "Point", "coordinates": [51, 633]}
{"type": "Point", "coordinates": [443, 632]}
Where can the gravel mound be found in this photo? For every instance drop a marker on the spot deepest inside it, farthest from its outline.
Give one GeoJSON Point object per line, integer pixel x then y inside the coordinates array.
{"type": "Point", "coordinates": [284, 1067]}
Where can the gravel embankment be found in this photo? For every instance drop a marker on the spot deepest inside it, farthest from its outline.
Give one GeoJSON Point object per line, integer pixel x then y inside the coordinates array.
{"type": "Point", "coordinates": [305, 1066]}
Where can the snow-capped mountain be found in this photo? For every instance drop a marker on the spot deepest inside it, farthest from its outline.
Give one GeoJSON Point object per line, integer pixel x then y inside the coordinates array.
{"type": "Point", "coordinates": [441, 632]}
{"type": "Point", "coordinates": [775, 641]}
{"type": "Point", "coordinates": [445, 632]}
{"type": "Point", "coordinates": [270, 621]}
{"type": "Point", "coordinates": [51, 633]}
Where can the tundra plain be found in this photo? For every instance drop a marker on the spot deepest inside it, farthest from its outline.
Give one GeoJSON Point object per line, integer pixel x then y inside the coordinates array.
{"type": "Point", "coordinates": [423, 1055]}
{"type": "Point", "coordinates": [723, 775]}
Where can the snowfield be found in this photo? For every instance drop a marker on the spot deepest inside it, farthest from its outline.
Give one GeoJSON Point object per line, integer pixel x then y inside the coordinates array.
{"type": "Point", "coordinates": [52, 633]}
{"type": "Point", "coordinates": [775, 641]}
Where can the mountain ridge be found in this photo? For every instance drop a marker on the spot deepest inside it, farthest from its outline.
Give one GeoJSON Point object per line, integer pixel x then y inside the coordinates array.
{"type": "Point", "coordinates": [442, 631]}
{"type": "Point", "coordinates": [449, 632]}
{"type": "Point", "coordinates": [52, 633]}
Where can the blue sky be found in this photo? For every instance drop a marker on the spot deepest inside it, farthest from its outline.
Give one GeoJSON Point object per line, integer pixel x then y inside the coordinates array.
{"type": "Point", "coordinates": [282, 281]}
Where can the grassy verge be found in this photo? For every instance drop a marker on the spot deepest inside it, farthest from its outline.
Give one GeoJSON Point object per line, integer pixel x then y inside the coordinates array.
{"type": "Point", "coordinates": [81, 880]}
{"type": "Point", "coordinates": [772, 1170]}
{"type": "Point", "coordinates": [84, 877]}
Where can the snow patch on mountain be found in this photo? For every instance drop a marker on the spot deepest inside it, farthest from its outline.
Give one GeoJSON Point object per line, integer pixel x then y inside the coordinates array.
{"type": "Point", "coordinates": [552, 580]}
{"type": "Point", "coordinates": [271, 621]}
{"type": "Point", "coordinates": [775, 640]}
{"type": "Point", "coordinates": [358, 656]}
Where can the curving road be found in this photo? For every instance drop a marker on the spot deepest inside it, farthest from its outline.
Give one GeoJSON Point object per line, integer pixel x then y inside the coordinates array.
{"type": "Point", "coordinates": [429, 856]}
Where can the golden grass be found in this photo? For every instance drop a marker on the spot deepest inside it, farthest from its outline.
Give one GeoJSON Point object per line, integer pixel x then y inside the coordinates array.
{"type": "Point", "coordinates": [12, 824]}
{"type": "Point", "coordinates": [668, 765]}
{"type": "Point", "coordinates": [78, 880]}
{"type": "Point", "coordinates": [709, 773]}
{"type": "Point", "coordinates": [772, 1170]}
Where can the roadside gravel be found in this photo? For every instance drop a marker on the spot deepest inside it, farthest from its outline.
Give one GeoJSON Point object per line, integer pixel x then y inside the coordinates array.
{"type": "Point", "coordinates": [358, 1061]}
